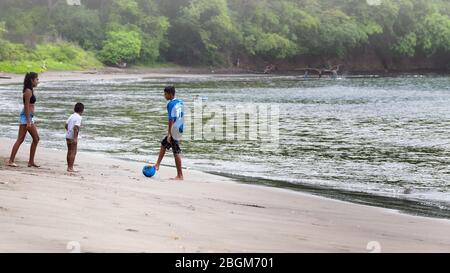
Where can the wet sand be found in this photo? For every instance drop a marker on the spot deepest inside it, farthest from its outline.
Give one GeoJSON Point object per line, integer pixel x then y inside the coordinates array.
{"type": "Point", "coordinates": [110, 207]}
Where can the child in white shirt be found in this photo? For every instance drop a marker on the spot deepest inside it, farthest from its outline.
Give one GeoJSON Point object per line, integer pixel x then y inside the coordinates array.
{"type": "Point", "coordinates": [73, 125]}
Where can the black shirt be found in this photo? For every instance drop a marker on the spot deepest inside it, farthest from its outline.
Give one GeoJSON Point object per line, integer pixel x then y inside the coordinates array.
{"type": "Point", "coordinates": [32, 99]}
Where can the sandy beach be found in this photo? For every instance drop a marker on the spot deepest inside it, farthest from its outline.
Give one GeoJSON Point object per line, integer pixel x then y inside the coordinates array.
{"type": "Point", "coordinates": [110, 207]}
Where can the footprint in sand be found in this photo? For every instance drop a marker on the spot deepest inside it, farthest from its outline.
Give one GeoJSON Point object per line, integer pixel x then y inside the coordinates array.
{"type": "Point", "coordinates": [132, 230]}
{"type": "Point", "coordinates": [134, 178]}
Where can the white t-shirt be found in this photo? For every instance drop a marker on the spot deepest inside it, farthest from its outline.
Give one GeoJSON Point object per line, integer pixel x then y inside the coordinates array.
{"type": "Point", "coordinates": [74, 120]}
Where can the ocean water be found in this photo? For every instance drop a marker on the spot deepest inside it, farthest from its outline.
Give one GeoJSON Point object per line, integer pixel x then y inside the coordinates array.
{"type": "Point", "coordinates": [377, 141]}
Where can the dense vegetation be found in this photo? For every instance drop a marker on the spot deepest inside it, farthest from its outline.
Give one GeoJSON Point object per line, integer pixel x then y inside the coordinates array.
{"type": "Point", "coordinates": [214, 32]}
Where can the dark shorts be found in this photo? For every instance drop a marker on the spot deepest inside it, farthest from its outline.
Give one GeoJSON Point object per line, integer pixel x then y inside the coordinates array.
{"type": "Point", "coordinates": [174, 145]}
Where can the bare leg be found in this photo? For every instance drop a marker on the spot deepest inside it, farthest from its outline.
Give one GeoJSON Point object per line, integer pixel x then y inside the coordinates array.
{"type": "Point", "coordinates": [162, 153]}
{"type": "Point", "coordinates": [179, 168]}
{"type": "Point", "coordinates": [19, 141]}
{"type": "Point", "coordinates": [73, 155]}
{"type": "Point", "coordinates": [35, 135]}
{"type": "Point", "coordinates": [69, 151]}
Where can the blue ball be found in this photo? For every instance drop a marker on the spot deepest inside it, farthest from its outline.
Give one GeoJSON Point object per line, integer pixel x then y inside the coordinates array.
{"type": "Point", "coordinates": [149, 171]}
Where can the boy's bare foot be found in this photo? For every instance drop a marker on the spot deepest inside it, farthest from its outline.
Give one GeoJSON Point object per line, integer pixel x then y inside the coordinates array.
{"type": "Point", "coordinates": [33, 165]}
{"type": "Point", "coordinates": [157, 166]}
{"type": "Point", "coordinates": [11, 164]}
{"type": "Point", "coordinates": [178, 178]}
{"type": "Point", "coordinates": [71, 171]}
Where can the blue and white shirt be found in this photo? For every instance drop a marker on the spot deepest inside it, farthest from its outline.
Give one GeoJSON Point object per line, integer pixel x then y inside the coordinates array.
{"type": "Point", "coordinates": [175, 111]}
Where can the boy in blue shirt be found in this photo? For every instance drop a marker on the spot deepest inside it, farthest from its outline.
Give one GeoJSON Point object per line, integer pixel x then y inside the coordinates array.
{"type": "Point", "coordinates": [175, 111]}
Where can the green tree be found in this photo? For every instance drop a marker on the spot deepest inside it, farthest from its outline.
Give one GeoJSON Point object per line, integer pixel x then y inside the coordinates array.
{"type": "Point", "coordinates": [407, 45]}
{"type": "Point", "coordinates": [80, 25]}
{"type": "Point", "coordinates": [337, 34]}
{"type": "Point", "coordinates": [276, 29]}
{"type": "Point", "coordinates": [121, 46]}
{"type": "Point", "coordinates": [3, 43]}
{"type": "Point", "coordinates": [218, 31]}
{"type": "Point", "coordinates": [144, 17]}
{"type": "Point", "coordinates": [203, 33]}
{"type": "Point", "coordinates": [434, 34]}
{"type": "Point", "coordinates": [2, 29]}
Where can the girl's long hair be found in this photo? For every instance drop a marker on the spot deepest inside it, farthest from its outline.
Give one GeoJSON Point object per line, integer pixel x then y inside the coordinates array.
{"type": "Point", "coordinates": [28, 82]}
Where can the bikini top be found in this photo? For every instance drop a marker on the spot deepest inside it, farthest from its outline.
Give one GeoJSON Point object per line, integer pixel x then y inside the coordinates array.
{"type": "Point", "coordinates": [32, 99]}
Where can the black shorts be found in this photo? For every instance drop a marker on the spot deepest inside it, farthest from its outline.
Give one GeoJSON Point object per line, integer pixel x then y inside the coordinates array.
{"type": "Point", "coordinates": [174, 145]}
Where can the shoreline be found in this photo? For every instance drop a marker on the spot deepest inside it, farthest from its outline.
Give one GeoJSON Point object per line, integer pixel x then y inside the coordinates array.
{"type": "Point", "coordinates": [422, 208]}
{"type": "Point", "coordinates": [56, 76]}
{"type": "Point", "coordinates": [110, 207]}
{"type": "Point", "coordinates": [110, 73]}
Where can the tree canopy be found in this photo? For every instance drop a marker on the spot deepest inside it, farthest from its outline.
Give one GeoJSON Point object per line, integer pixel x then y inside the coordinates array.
{"type": "Point", "coordinates": [206, 32]}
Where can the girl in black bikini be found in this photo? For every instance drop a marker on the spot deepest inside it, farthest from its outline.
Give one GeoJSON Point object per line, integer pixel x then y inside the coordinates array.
{"type": "Point", "coordinates": [26, 120]}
